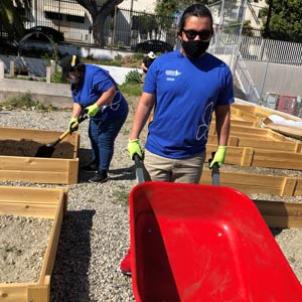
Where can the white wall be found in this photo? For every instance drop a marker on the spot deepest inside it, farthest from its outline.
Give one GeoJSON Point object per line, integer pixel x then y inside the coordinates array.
{"type": "Point", "coordinates": [147, 6]}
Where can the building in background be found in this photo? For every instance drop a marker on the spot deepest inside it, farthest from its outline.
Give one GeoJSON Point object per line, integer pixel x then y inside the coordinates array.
{"type": "Point", "coordinates": [75, 22]}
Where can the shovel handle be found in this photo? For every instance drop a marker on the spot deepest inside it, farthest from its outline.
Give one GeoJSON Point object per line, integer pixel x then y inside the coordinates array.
{"type": "Point", "coordinates": [81, 118]}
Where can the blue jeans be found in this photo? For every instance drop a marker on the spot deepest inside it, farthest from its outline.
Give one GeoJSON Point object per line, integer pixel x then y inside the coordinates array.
{"type": "Point", "coordinates": [103, 129]}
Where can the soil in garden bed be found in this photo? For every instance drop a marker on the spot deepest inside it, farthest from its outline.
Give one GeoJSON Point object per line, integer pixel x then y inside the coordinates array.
{"type": "Point", "coordinates": [29, 148]}
{"type": "Point", "coordinates": [23, 241]}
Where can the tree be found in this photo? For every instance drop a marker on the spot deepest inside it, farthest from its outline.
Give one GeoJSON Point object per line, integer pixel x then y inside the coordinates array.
{"type": "Point", "coordinates": [99, 14]}
{"type": "Point", "coordinates": [247, 29]}
{"type": "Point", "coordinates": [283, 20]}
{"type": "Point", "coordinates": [11, 16]}
{"type": "Point", "coordinates": [172, 7]}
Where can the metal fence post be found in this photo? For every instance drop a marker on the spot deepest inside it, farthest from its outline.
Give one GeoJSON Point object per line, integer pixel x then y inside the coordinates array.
{"type": "Point", "coordinates": [264, 80]}
{"type": "Point", "coordinates": [114, 27]}
{"type": "Point", "coordinates": [1, 70]}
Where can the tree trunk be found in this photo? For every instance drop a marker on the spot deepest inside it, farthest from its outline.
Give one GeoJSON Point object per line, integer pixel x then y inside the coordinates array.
{"type": "Point", "coordinates": [98, 28]}
{"type": "Point", "coordinates": [268, 20]}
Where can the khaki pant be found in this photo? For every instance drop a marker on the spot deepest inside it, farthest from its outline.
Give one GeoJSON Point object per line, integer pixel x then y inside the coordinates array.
{"type": "Point", "coordinates": [174, 170]}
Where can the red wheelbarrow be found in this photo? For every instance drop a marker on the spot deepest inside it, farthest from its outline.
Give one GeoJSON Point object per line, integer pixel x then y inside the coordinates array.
{"type": "Point", "coordinates": [204, 243]}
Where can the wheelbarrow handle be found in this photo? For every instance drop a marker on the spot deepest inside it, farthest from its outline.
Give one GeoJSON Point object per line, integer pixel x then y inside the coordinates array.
{"type": "Point", "coordinates": [215, 175]}
{"type": "Point", "coordinates": [139, 168]}
{"type": "Point", "coordinates": [215, 172]}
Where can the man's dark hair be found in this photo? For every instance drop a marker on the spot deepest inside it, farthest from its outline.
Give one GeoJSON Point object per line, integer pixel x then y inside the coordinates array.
{"type": "Point", "coordinates": [197, 10]}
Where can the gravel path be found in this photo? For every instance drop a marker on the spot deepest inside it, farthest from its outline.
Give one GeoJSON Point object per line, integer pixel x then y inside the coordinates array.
{"type": "Point", "coordinates": [94, 235]}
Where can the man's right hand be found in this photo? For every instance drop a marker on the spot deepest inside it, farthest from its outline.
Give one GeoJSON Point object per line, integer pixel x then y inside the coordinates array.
{"type": "Point", "coordinates": [134, 147]}
{"type": "Point", "coordinates": [73, 124]}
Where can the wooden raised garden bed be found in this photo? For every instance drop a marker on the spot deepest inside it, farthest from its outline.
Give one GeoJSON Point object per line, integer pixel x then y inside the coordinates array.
{"type": "Point", "coordinates": [18, 162]}
{"type": "Point", "coordinates": [34, 203]}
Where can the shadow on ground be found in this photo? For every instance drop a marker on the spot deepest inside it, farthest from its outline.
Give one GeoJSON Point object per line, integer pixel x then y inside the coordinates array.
{"type": "Point", "coordinates": [70, 276]}
{"type": "Point", "coordinates": [126, 173]}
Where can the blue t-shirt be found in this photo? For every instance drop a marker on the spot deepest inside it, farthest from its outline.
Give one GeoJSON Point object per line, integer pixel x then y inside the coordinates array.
{"type": "Point", "coordinates": [96, 81]}
{"type": "Point", "coordinates": [186, 93]}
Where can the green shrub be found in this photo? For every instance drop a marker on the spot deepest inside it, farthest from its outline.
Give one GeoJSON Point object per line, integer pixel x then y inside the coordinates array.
{"type": "Point", "coordinates": [25, 101]}
{"type": "Point", "coordinates": [57, 77]}
{"type": "Point", "coordinates": [133, 77]}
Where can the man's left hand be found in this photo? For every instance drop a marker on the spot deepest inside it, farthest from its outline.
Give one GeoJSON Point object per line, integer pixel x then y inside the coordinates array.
{"type": "Point", "coordinates": [219, 156]}
{"type": "Point", "coordinates": [92, 110]}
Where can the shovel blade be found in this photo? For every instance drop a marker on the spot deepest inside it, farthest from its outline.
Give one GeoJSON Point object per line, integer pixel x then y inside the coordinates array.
{"type": "Point", "coordinates": [45, 151]}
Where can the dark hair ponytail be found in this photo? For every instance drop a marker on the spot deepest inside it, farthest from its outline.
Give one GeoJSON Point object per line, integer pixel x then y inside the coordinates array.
{"type": "Point", "coordinates": [197, 10]}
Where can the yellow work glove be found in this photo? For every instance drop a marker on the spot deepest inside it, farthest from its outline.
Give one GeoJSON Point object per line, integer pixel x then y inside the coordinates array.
{"type": "Point", "coordinates": [134, 147]}
{"type": "Point", "coordinates": [219, 156]}
{"type": "Point", "coordinates": [92, 110]}
{"type": "Point", "coordinates": [73, 124]}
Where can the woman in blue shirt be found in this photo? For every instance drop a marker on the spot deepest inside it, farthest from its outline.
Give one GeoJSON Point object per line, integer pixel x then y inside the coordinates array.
{"type": "Point", "coordinates": [96, 93]}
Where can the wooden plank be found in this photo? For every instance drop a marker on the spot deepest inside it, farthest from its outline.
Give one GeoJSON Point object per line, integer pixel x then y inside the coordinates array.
{"type": "Point", "coordinates": [249, 130]}
{"type": "Point", "coordinates": [266, 144]}
{"type": "Point", "coordinates": [42, 136]}
{"type": "Point", "coordinates": [37, 176]}
{"type": "Point", "coordinates": [27, 209]}
{"type": "Point", "coordinates": [247, 157]}
{"type": "Point", "coordinates": [277, 159]}
{"type": "Point", "coordinates": [38, 293]}
{"type": "Point", "coordinates": [33, 164]}
{"type": "Point", "coordinates": [288, 187]}
{"type": "Point", "coordinates": [260, 143]}
{"type": "Point", "coordinates": [32, 195]}
{"type": "Point", "coordinates": [235, 123]}
{"type": "Point", "coordinates": [259, 158]}
{"type": "Point", "coordinates": [13, 293]}
{"type": "Point", "coordinates": [50, 253]}
{"type": "Point", "coordinates": [281, 214]}
{"type": "Point", "coordinates": [298, 191]}
{"type": "Point", "coordinates": [256, 183]}
{"type": "Point", "coordinates": [73, 171]}
{"type": "Point", "coordinates": [247, 183]}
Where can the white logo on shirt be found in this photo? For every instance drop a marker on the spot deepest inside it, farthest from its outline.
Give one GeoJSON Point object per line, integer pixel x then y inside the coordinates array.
{"type": "Point", "coordinates": [203, 128]}
{"type": "Point", "coordinates": [172, 73]}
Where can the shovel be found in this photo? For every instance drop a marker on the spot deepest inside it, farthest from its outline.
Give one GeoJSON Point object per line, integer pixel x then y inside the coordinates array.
{"type": "Point", "coordinates": [48, 149]}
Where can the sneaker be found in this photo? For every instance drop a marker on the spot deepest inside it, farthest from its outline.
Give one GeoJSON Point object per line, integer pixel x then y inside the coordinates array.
{"type": "Point", "coordinates": [125, 265]}
{"type": "Point", "coordinates": [100, 176]}
{"type": "Point", "coordinates": [91, 167]}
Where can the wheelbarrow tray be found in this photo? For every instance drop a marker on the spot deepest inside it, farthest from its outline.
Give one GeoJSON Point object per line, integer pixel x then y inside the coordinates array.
{"type": "Point", "coordinates": [204, 243]}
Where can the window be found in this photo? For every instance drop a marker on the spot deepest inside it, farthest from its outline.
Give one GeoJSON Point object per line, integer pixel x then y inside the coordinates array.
{"type": "Point", "coordinates": [53, 16]}
{"type": "Point", "coordinates": [72, 18]}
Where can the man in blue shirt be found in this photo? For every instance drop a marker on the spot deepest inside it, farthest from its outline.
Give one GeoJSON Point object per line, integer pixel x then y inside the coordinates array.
{"type": "Point", "coordinates": [96, 93]}
{"type": "Point", "coordinates": [184, 88]}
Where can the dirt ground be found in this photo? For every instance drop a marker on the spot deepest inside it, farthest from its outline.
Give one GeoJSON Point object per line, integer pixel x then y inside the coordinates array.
{"type": "Point", "coordinates": [29, 148]}
{"type": "Point", "coordinates": [23, 244]}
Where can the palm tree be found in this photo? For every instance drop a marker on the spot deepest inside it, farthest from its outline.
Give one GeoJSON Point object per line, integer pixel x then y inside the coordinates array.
{"type": "Point", "coordinates": [11, 20]}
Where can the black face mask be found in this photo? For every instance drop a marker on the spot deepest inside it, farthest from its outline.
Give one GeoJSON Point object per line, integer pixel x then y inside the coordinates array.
{"type": "Point", "coordinates": [74, 80]}
{"type": "Point", "coordinates": [195, 48]}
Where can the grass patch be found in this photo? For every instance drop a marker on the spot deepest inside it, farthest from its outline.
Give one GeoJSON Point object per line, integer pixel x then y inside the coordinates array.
{"type": "Point", "coordinates": [131, 89]}
{"type": "Point", "coordinates": [25, 101]}
{"type": "Point", "coordinates": [134, 60]}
